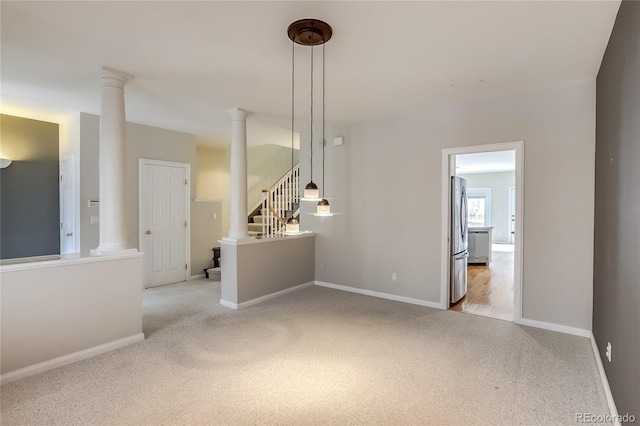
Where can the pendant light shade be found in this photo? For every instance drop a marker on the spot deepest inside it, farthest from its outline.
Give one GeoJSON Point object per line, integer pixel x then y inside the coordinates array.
{"type": "Point", "coordinates": [311, 192]}
{"type": "Point", "coordinates": [323, 209]}
{"type": "Point", "coordinates": [293, 226]}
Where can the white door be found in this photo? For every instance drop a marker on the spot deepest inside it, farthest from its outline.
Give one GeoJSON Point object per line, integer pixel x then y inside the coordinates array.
{"type": "Point", "coordinates": [163, 221]}
{"type": "Point", "coordinates": [512, 215]}
{"type": "Point", "coordinates": [67, 210]}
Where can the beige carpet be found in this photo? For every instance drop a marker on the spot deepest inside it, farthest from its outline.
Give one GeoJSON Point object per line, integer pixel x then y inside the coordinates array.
{"type": "Point", "coordinates": [316, 356]}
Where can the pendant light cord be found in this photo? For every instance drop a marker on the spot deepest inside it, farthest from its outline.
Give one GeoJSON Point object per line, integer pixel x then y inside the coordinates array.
{"type": "Point", "coordinates": [293, 97]}
{"type": "Point", "coordinates": [323, 109]}
{"type": "Point", "coordinates": [311, 144]}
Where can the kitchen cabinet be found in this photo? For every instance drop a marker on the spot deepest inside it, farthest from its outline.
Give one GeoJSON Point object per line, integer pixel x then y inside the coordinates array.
{"type": "Point", "coordinates": [480, 245]}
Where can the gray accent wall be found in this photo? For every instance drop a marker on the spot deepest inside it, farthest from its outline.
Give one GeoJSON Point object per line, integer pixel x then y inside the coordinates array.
{"type": "Point", "coordinates": [616, 287]}
{"type": "Point", "coordinates": [29, 188]}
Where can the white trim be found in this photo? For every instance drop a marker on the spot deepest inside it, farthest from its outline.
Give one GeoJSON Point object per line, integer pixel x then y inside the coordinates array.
{"type": "Point", "coordinates": [75, 205]}
{"type": "Point", "coordinates": [254, 240]}
{"type": "Point", "coordinates": [229, 304]}
{"type": "Point", "coordinates": [380, 295]}
{"type": "Point", "coordinates": [34, 369]}
{"type": "Point", "coordinates": [605, 382]}
{"type": "Point", "coordinates": [66, 260]}
{"type": "Point", "coordinates": [553, 327]}
{"type": "Point", "coordinates": [265, 297]}
{"type": "Point", "coordinates": [448, 166]}
{"type": "Point", "coordinates": [187, 211]}
{"type": "Point", "coordinates": [197, 277]}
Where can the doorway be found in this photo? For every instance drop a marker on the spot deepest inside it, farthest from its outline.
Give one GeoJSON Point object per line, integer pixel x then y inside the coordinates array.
{"type": "Point", "coordinates": [493, 174]}
{"type": "Point", "coordinates": [163, 221]}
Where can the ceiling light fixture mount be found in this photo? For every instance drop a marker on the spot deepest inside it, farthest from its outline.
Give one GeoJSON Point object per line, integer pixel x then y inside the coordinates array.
{"type": "Point", "coordinates": [310, 32]}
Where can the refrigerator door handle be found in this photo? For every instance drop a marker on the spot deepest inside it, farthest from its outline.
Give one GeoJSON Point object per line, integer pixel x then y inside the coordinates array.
{"type": "Point", "coordinates": [461, 255]}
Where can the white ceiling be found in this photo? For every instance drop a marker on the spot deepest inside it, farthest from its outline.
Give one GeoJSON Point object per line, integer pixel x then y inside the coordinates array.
{"type": "Point", "coordinates": [486, 162]}
{"type": "Point", "coordinates": [195, 60]}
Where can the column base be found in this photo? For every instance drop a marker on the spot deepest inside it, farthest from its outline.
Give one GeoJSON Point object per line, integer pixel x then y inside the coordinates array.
{"type": "Point", "coordinates": [112, 252]}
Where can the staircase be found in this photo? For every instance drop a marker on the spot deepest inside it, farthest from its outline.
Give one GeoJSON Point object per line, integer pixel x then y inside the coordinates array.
{"type": "Point", "coordinates": [268, 218]}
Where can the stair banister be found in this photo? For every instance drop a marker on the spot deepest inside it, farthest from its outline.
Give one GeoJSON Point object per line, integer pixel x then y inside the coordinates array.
{"type": "Point", "coordinates": [277, 200]}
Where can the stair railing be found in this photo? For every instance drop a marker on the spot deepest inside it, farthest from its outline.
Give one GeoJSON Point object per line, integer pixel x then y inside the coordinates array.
{"type": "Point", "coordinates": [278, 201]}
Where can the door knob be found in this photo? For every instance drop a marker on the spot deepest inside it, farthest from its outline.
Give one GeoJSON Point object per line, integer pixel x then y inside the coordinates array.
{"type": "Point", "coordinates": [70, 234]}
{"type": "Point", "coordinates": [148, 232]}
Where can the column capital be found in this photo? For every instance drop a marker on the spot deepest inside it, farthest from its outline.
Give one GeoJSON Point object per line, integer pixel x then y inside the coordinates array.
{"type": "Point", "coordinates": [114, 78]}
{"type": "Point", "coordinates": [238, 114]}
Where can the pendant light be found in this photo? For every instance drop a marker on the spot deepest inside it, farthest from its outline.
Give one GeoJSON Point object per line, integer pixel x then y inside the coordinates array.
{"type": "Point", "coordinates": [310, 32]}
{"type": "Point", "coordinates": [293, 225]}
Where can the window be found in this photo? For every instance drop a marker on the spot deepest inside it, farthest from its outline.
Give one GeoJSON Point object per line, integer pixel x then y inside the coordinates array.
{"type": "Point", "coordinates": [479, 206]}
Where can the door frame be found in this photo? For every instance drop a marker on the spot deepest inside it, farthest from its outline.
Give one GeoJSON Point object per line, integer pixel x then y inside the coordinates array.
{"type": "Point", "coordinates": [74, 203]}
{"type": "Point", "coordinates": [448, 170]}
{"type": "Point", "coordinates": [187, 210]}
{"type": "Point", "coordinates": [512, 193]}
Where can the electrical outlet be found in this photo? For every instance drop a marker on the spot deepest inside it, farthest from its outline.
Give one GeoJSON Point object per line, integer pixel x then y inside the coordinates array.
{"type": "Point", "coordinates": [322, 266]}
{"type": "Point", "coordinates": [608, 353]}
{"type": "Point", "coordinates": [394, 276]}
{"type": "Point", "coordinates": [95, 220]}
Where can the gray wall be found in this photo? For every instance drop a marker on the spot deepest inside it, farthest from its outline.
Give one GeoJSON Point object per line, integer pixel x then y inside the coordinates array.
{"type": "Point", "coordinates": [289, 261]}
{"type": "Point", "coordinates": [616, 287]}
{"type": "Point", "coordinates": [64, 307]}
{"type": "Point", "coordinates": [499, 184]}
{"type": "Point", "coordinates": [387, 181]}
{"type": "Point", "coordinates": [142, 142]}
{"type": "Point", "coordinates": [29, 188]}
{"type": "Point", "coordinates": [206, 214]}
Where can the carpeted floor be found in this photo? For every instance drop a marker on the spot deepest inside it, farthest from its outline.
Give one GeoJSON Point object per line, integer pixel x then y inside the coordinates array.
{"type": "Point", "coordinates": [316, 356]}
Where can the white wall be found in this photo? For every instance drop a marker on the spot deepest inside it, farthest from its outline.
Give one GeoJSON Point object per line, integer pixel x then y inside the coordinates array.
{"type": "Point", "coordinates": [70, 147]}
{"type": "Point", "coordinates": [499, 184]}
{"type": "Point", "coordinates": [387, 181]}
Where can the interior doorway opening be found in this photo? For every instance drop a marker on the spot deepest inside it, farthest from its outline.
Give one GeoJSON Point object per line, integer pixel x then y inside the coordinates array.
{"type": "Point", "coordinates": [493, 180]}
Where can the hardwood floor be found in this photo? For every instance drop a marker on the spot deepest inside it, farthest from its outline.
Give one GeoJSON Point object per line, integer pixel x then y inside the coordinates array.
{"type": "Point", "coordinates": [490, 288]}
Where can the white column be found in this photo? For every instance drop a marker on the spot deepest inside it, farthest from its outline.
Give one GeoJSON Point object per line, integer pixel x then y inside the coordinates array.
{"type": "Point", "coordinates": [112, 151]}
{"type": "Point", "coordinates": [238, 174]}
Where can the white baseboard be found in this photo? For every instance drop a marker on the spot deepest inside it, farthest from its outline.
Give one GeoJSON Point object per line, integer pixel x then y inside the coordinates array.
{"type": "Point", "coordinates": [381, 295]}
{"type": "Point", "coordinates": [264, 298]}
{"type": "Point", "coordinates": [228, 304]}
{"type": "Point", "coordinates": [554, 327]}
{"type": "Point", "coordinates": [605, 381]}
{"type": "Point", "coordinates": [32, 370]}
{"type": "Point", "coordinates": [197, 277]}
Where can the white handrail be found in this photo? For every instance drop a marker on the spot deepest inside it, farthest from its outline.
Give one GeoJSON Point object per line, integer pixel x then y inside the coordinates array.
{"type": "Point", "coordinates": [279, 199]}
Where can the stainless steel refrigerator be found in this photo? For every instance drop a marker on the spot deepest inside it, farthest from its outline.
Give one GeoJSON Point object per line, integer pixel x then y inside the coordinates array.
{"type": "Point", "coordinates": [459, 238]}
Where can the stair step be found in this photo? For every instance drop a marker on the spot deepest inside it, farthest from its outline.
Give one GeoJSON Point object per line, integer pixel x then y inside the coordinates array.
{"type": "Point", "coordinates": [255, 227]}
{"type": "Point", "coordinates": [214, 274]}
{"type": "Point", "coordinates": [258, 219]}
